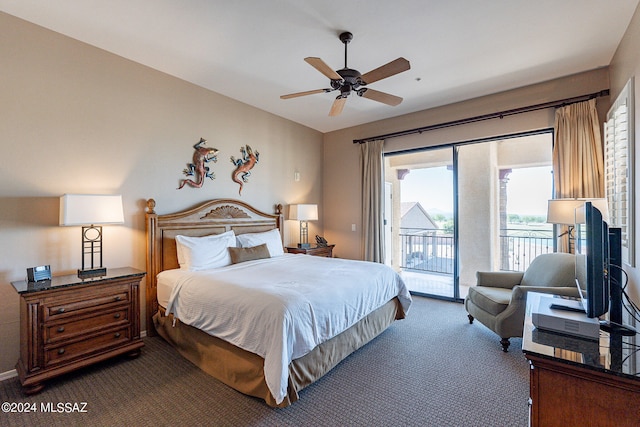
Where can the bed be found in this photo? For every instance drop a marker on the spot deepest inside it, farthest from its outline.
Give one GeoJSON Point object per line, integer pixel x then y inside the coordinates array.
{"type": "Point", "coordinates": [222, 339]}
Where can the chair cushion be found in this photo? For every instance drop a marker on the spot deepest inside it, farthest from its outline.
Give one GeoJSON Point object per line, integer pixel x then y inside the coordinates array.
{"type": "Point", "coordinates": [554, 269]}
{"type": "Point", "coordinates": [491, 300]}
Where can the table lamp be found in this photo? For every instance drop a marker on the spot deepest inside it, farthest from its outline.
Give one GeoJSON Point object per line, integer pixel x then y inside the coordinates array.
{"type": "Point", "coordinates": [304, 213]}
{"type": "Point", "coordinates": [563, 212]}
{"type": "Point", "coordinates": [91, 211]}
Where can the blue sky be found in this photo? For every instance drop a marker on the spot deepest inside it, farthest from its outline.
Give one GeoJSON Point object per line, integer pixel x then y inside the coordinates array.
{"type": "Point", "coordinates": [527, 191]}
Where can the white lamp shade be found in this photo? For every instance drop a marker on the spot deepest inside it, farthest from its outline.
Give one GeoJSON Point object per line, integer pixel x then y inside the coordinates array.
{"type": "Point", "coordinates": [600, 204]}
{"type": "Point", "coordinates": [563, 211]}
{"type": "Point", "coordinates": [306, 212]}
{"type": "Point", "coordinates": [91, 209]}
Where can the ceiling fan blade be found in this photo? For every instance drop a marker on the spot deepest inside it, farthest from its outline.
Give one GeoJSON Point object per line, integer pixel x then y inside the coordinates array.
{"type": "Point", "coordinates": [383, 97]}
{"type": "Point", "coordinates": [308, 92]}
{"type": "Point", "coordinates": [337, 106]}
{"type": "Point", "coordinates": [321, 66]}
{"type": "Point", "coordinates": [387, 70]}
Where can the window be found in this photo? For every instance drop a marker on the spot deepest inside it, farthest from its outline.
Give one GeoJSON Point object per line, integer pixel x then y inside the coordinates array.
{"type": "Point", "coordinates": [618, 161]}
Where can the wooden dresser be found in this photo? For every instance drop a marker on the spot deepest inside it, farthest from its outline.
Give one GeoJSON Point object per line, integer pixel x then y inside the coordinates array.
{"type": "Point", "coordinates": [67, 323]}
{"type": "Point", "coordinates": [578, 382]}
{"type": "Point", "coordinates": [325, 251]}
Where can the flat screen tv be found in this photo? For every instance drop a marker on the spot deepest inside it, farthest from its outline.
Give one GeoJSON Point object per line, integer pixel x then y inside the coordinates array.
{"type": "Point", "coordinates": [599, 268]}
{"type": "Point", "coordinates": [592, 247]}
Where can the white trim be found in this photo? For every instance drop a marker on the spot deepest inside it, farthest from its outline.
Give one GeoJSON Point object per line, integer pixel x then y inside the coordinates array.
{"type": "Point", "coordinates": [619, 169]}
{"type": "Point", "coordinates": [8, 375]}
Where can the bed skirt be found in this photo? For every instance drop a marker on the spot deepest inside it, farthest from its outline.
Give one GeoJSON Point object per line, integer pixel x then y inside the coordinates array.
{"type": "Point", "coordinates": [243, 370]}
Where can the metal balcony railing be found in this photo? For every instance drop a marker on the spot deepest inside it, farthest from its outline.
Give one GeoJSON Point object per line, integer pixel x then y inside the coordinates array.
{"type": "Point", "coordinates": [426, 250]}
{"type": "Point", "coordinates": [519, 247]}
{"type": "Point", "coordinates": [432, 251]}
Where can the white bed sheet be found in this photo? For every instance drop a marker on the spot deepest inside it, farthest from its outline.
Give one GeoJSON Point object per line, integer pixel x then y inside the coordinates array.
{"type": "Point", "coordinates": [166, 282]}
{"type": "Point", "coordinates": [281, 308]}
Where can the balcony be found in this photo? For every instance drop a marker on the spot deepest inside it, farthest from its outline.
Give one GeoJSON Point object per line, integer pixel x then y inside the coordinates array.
{"type": "Point", "coordinates": [427, 256]}
{"type": "Point", "coordinates": [426, 250]}
{"type": "Point", "coordinates": [432, 251]}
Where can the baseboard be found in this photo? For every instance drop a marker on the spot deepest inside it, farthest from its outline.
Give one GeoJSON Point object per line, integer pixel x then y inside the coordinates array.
{"type": "Point", "coordinates": [13, 373]}
{"type": "Point", "coordinates": [8, 375]}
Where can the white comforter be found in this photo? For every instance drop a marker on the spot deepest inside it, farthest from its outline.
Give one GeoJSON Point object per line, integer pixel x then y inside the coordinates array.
{"type": "Point", "coordinates": [281, 308]}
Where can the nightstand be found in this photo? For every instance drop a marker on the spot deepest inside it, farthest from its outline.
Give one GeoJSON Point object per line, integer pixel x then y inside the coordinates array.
{"type": "Point", "coordinates": [325, 251]}
{"type": "Point", "coordinates": [67, 323]}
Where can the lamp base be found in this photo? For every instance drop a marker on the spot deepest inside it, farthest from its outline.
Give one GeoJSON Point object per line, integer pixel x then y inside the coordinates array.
{"type": "Point", "coordinates": [304, 245]}
{"type": "Point", "coordinates": [92, 272]}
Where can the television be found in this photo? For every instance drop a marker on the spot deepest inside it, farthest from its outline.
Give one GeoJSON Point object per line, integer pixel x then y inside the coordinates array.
{"type": "Point", "coordinates": [592, 247]}
{"type": "Point", "coordinates": [599, 268]}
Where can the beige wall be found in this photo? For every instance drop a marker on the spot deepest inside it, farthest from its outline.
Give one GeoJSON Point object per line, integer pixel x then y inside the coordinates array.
{"type": "Point", "coordinates": [76, 119]}
{"type": "Point", "coordinates": [477, 177]}
{"type": "Point", "coordinates": [528, 151]}
{"type": "Point", "coordinates": [625, 65]}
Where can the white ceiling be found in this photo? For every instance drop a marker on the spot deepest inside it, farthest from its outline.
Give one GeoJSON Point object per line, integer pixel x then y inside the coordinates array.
{"type": "Point", "coordinates": [253, 50]}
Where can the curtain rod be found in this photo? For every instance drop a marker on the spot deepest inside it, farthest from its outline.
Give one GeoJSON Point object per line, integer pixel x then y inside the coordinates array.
{"type": "Point", "coordinates": [498, 115]}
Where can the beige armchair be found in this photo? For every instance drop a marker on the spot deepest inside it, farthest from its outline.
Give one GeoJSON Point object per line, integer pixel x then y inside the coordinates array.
{"type": "Point", "coordinates": [498, 300]}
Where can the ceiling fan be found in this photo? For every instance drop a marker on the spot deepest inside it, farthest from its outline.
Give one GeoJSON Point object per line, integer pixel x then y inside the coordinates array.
{"type": "Point", "coordinates": [347, 80]}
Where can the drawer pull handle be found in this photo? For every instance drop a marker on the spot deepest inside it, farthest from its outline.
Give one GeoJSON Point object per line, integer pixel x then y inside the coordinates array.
{"type": "Point", "coordinates": [117, 335]}
{"type": "Point", "coordinates": [61, 351]}
{"type": "Point", "coordinates": [118, 298]}
{"type": "Point", "coordinates": [61, 329]}
{"type": "Point", "coordinates": [117, 315]}
{"type": "Point", "coordinates": [61, 310]}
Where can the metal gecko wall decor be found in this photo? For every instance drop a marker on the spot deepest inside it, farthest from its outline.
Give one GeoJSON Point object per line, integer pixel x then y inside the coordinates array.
{"type": "Point", "coordinates": [201, 155]}
{"type": "Point", "coordinates": [244, 165]}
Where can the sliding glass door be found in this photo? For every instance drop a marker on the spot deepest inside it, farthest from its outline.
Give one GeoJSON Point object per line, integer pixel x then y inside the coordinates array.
{"type": "Point", "coordinates": [423, 244]}
{"type": "Point", "coordinates": [503, 189]}
{"type": "Point", "coordinates": [464, 208]}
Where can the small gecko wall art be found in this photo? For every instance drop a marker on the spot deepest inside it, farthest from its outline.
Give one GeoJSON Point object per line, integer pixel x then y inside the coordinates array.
{"type": "Point", "coordinates": [201, 155]}
{"type": "Point", "coordinates": [244, 165]}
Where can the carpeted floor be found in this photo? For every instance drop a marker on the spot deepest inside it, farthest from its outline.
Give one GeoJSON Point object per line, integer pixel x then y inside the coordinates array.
{"type": "Point", "coordinates": [431, 369]}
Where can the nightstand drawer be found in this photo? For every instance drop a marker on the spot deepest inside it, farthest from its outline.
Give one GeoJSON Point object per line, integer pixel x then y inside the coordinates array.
{"type": "Point", "coordinates": [89, 346]}
{"type": "Point", "coordinates": [86, 325]}
{"type": "Point", "coordinates": [322, 251]}
{"type": "Point", "coordinates": [68, 323]}
{"type": "Point", "coordinates": [87, 299]}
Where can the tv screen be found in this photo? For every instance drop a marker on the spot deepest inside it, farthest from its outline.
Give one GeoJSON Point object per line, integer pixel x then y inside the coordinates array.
{"type": "Point", "coordinates": [592, 246]}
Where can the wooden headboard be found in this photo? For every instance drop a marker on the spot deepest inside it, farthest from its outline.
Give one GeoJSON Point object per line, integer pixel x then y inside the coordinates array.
{"type": "Point", "coordinates": [212, 217]}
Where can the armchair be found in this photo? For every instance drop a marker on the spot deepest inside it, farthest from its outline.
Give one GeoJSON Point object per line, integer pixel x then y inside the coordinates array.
{"type": "Point", "coordinates": [499, 298]}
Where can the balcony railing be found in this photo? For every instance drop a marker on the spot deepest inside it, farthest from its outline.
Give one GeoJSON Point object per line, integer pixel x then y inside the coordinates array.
{"type": "Point", "coordinates": [432, 251]}
{"type": "Point", "coordinates": [426, 250]}
{"type": "Point", "coordinates": [519, 247]}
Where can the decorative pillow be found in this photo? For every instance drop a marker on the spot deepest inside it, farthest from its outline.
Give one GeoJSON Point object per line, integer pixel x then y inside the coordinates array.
{"type": "Point", "coordinates": [248, 254]}
{"type": "Point", "coordinates": [271, 238]}
{"type": "Point", "coordinates": [202, 253]}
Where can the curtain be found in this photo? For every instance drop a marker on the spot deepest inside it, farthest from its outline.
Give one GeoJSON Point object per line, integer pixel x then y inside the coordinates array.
{"type": "Point", "coordinates": [578, 162]}
{"type": "Point", "coordinates": [371, 169]}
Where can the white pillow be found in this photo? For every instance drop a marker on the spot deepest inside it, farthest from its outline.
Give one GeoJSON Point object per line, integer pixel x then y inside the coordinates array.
{"type": "Point", "coordinates": [202, 253]}
{"type": "Point", "coordinates": [271, 238]}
